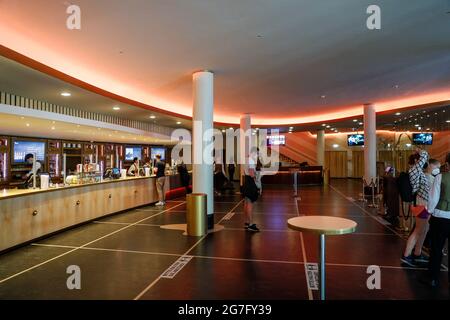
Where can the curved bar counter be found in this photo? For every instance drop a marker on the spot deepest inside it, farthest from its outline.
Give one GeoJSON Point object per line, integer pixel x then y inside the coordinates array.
{"type": "Point", "coordinates": [26, 215]}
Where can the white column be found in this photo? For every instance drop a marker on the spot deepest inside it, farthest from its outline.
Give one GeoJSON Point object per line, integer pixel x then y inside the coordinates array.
{"type": "Point", "coordinates": [244, 143]}
{"type": "Point", "coordinates": [320, 147]}
{"type": "Point", "coordinates": [370, 143]}
{"type": "Point", "coordinates": [202, 115]}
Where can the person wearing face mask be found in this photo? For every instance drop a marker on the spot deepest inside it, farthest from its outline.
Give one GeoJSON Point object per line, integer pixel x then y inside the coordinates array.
{"type": "Point", "coordinates": [439, 206]}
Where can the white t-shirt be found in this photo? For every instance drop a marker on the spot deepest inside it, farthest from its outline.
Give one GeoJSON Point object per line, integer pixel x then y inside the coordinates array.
{"type": "Point", "coordinates": [36, 168]}
{"type": "Point", "coordinates": [251, 165]}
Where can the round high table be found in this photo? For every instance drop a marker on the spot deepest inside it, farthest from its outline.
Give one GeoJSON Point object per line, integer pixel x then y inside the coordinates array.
{"type": "Point", "coordinates": [322, 225]}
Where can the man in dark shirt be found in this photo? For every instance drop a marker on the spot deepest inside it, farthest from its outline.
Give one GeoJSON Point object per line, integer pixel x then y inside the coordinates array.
{"type": "Point", "coordinates": [160, 167]}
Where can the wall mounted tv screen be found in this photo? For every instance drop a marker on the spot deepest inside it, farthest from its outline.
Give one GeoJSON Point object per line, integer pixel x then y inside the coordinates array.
{"type": "Point", "coordinates": [160, 151]}
{"type": "Point", "coordinates": [22, 148]}
{"type": "Point", "coordinates": [133, 152]}
{"type": "Point", "coordinates": [354, 140]}
{"type": "Point", "coordinates": [422, 138]}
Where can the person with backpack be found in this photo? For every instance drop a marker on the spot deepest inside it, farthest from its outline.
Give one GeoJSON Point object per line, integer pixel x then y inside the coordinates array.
{"type": "Point", "coordinates": [439, 206]}
{"type": "Point", "coordinates": [420, 189]}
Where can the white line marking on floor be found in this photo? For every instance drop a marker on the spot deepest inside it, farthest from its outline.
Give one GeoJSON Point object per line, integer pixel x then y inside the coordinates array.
{"type": "Point", "coordinates": [221, 258]}
{"type": "Point", "coordinates": [84, 245]}
{"type": "Point", "coordinates": [228, 216]}
{"type": "Point", "coordinates": [185, 254]}
{"type": "Point", "coordinates": [176, 267]}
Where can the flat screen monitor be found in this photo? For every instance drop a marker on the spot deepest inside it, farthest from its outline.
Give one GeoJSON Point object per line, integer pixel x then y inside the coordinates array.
{"type": "Point", "coordinates": [355, 140]}
{"type": "Point", "coordinates": [276, 140]}
{"type": "Point", "coordinates": [160, 151]}
{"type": "Point", "coordinates": [21, 148]}
{"type": "Point", "coordinates": [133, 152]}
{"type": "Point", "coordinates": [422, 138]}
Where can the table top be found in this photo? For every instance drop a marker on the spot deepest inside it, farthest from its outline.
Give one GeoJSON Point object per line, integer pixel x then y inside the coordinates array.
{"type": "Point", "coordinates": [322, 225]}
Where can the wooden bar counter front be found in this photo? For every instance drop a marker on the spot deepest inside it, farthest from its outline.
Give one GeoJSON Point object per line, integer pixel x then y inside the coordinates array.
{"type": "Point", "coordinates": [26, 215]}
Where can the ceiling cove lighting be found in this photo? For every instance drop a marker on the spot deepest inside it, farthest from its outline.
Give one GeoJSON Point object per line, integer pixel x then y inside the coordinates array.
{"type": "Point", "coordinates": [66, 94]}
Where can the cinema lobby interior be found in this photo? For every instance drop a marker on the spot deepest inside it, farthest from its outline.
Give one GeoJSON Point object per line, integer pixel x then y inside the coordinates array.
{"type": "Point", "coordinates": [196, 150]}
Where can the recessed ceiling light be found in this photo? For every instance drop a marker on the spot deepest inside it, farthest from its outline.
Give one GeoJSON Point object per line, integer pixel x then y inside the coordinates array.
{"type": "Point", "coordinates": [398, 113]}
{"type": "Point", "coordinates": [27, 124]}
{"type": "Point", "coordinates": [360, 123]}
{"type": "Point", "coordinates": [324, 125]}
{"type": "Point", "coordinates": [328, 126]}
{"type": "Point", "coordinates": [230, 128]}
{"type": "Point", "coordinates": [417, 125]}
{"type": "Point", "coordinates": [66, 94]}
{"type": "Point", "coordinates": [152, 117]}
{"type": "Point", "coordinates": [223, 130]}
{"type": "Point", "coordinates": [335, 145]}
{"type": "Point", "coordinates": [448, 121]}
{"type": "Point", "coordinates": [323, 96]}
{"type": "Point", "coordinates": [178, 122]}
{"type": "Point", "coordinates": [53, 128]}
{"type": "Point", "coordinates": [116, 108]}
{"type": "Point", "coordinates": [291, 128]}
{"type": "Point", "coordinates": [408, 145]}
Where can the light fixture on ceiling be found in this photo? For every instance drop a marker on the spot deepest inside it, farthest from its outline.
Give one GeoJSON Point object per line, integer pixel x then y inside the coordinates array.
{"type": "Point", "coordinates": [230, 128]}
{"type": "Point", "coordinates": [323, 96]}
{"type": "Point", "coordinates": [178, 122]}
{"type": "Point", "coordinates": [152, 117]}
{"type": "Point", "coordinates": [328, 126]}
{"type": "Point", "coordinates": [408, 145]}
{"type": "Point", "coordinates": [66, 94]}
{"type": "Point", "coordinates": [335, 146]}
{"type": "Point", "coordinates": [360, 123]}
{"type": "Point", "coordinates": [448, 121]}
{"type": "Point", "coordinates": [223, 130]}
{"type": "Point", "coordinates": [290, 128]}
{"type": "Point", "coordinates": [27, 124]}
{"type": "Point", "coordinates": [53, 128]}
{"type": "Point", "coordinates": [417, 125]}
{"type": "Point", "coordinates": [396, 86]}
{"type": "Point", "coordinates": [428, 129]}
{"type": "Point", "coordinates": [116, 108]}
{"type": "Point", "coordinates": [355, 120]}
{"type": "Point", "coordinates": [398, 113]}
{"type": "Point", "coordinates": [324, 125]}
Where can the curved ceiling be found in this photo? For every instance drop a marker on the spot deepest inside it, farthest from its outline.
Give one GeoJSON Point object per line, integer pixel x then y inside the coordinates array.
{"type": "Point", "coordinates": [273, 59]}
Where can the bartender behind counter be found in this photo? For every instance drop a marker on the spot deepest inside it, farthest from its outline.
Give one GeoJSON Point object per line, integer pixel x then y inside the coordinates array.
{"type": "Point", "coordinates": [37, 167]}
{"type": "Point", "coordinates": [134, 167]}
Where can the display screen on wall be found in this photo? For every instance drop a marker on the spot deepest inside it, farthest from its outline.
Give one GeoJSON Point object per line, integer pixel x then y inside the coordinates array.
{"type": "Point", "coordinates": [276, 140]}
{"type": "Point", "coordinates": [422, 138]}
{"type": "Point", "coordinates": [354, 140]}
{"type": "Point", "coordinates": [160, 151]}
{"type": "Point", "coordinates": [133, 152]}
{"type": "Point", "coordinates": [22, 148]}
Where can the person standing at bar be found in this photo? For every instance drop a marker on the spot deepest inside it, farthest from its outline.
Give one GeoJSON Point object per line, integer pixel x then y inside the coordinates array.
{"type": "Point", "coordinates": [29, 158]}
{"type": "Point", "coordinates": [439, 206]}
{"type": "Point", "coordinates": [160, 168]}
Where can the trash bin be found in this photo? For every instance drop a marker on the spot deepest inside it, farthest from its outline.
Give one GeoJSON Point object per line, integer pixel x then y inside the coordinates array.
{"type": "Point", "coordinates": [196, 214]}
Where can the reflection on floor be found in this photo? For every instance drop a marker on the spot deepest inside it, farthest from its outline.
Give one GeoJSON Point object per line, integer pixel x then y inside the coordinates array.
{"type": "Point", "coordinates": [128, 256]}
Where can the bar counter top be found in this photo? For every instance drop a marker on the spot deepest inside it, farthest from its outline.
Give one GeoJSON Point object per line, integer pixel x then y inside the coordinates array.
{"type": "Point", "coordinates": [13, 193]}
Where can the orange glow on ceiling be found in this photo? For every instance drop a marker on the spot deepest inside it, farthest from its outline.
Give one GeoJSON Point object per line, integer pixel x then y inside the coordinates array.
{"type": "Point", "coordinates": [33, 49]}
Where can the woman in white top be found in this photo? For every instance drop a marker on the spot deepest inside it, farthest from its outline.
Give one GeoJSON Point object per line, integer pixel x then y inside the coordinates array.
{"type": "Point", "coordinates": [439, 207]}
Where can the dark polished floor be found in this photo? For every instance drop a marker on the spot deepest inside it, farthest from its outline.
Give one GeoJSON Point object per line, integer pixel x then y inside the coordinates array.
{"type": "Point", "coordinates": [125, 256]}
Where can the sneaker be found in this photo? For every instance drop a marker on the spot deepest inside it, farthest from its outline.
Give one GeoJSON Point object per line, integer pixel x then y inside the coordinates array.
{"type": "Point", "coordinates": [253, 228]}
{"type": "Point", "coordinates": [246, 225]}
{"type": "Point", "coordinates": [159, 203]}
{"type": "Point", "coordinates": [409, 260]}
{"type": "Point", "coordinates": [421, 258]}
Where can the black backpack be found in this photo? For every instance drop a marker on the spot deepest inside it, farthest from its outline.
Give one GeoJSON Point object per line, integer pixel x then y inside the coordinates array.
{"type": "Point", "coordinates": [404, 187]}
